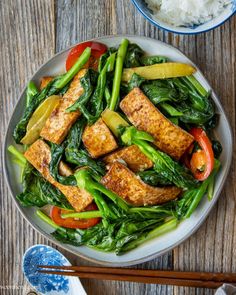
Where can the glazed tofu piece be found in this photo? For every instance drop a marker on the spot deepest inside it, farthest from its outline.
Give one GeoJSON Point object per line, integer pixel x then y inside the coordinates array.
{"type": "Point", "coordinates": [59, 123]}
{"type": "Point", "coordinates": [132, 189]}
{"type": "Point", "coordinates": [132, 156]}
{"type": "Point", "coordinates": [169, 138]}
{"type": "Point", "coordinates": [98, 139]}
{"type": "Point", "coordinates": [39, 155]}
{"type": "Point", "coordinates": [44, 82]}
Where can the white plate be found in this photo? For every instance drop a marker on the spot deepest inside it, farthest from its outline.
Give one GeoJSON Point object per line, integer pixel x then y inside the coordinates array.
{"type": "Point", "coordinates": [160, 245]}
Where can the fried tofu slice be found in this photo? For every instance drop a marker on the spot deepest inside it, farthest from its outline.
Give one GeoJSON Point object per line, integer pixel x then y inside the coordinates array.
{"type": "Point", "coordinates": [39, 155]}
{"type": "Point", "coordinates": [132, 189]}
{"type": "Point", "coordinates": [169, 138]}
{"type": "Point", "coordinates": [98, 139]}
{"type": "Point", "coordinates": [44, 82]}
{"type": "Point", "coordinates": [59, 123]}
{"type": "Point", "coordinates": [132, 156]}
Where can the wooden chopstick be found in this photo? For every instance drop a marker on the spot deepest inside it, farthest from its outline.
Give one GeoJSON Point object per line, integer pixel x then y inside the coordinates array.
{"type": "Point", "coordinates": [175, 278]}
{"type": "Point", "coordinates": [204, 276]}
{"type": "Point", "coordinates": [140, 279]}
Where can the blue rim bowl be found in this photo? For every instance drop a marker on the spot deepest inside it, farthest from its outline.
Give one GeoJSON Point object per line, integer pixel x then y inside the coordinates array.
{"type": "Point", "coordinates": [205, 27]}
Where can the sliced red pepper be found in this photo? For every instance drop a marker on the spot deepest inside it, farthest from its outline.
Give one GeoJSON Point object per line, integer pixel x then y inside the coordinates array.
{"type": "Point", "coordinates": [202, 161]}
{"type": "Point", "coordinates": [71, 222]}
{"type": "Point", "coordinates": [97, 49]}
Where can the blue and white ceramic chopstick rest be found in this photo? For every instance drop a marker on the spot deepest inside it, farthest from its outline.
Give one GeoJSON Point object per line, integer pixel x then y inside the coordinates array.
{"type": "Point", "coordinates": [48, 284]}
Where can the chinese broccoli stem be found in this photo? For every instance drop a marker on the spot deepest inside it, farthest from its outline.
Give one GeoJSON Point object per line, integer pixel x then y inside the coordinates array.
{"type": "Point", "coordinates": [83, 215]}
{"type": "Point", "coordinates": [19, 157]}
{"type": "Point", "coordinates": [118, 73]}
{"type": "Point", "coordinates": [75, 69]}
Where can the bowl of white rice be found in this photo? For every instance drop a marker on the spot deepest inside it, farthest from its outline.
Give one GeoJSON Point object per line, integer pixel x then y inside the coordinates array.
{"type": "Point", "coordinates": [186, 16]}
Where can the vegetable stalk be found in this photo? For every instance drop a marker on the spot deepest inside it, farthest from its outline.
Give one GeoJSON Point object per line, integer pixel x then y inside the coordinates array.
{"type": "Point", "coordinates": [200, 192]}
{"type": "Point", "coordinates": [47, 219]}
{"type": "Point", "coordinates": [31, 91]}
{"type": "Point", "coordinates": [85, 181]}
{"type": "Point", "coordinates": [118, 73]}
{"type": "Point", "coordinates": [156, 232]}
{"type": "Point", "coordinates": [19, 157]}
{"type": "Point", "coordinates": [75, 69]}
{"type": "Point", "coordinates": [83, 215]}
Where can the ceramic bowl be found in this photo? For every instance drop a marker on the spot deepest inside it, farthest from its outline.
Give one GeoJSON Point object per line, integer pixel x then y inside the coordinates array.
{"type": "Point", "coordinates": [207, 26]}
{"type": "Point", "coordinates": [48, 284]}
{"type": "Point", "coordinates": [162, 244]}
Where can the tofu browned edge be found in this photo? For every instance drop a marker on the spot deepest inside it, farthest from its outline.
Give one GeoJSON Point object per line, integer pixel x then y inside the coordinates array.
{"type": "Point", "coordinates": [59, 123]}
{"type": "Point", "coordinates": [168, 137]}
{"type": "Point", "coordinates": [132, 189]}
{"type": "Point", "coordinates": [39, 155]}
{"type": "Point", "coordinates": [132, 156]}
{"type": "Point", "coordinates": [98, 139]}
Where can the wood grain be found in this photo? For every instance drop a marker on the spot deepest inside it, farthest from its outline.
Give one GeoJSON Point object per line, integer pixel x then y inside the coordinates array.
{"type": "Point", "coordinates": [30, 33]}
{"type": "Point", "coordinates": [213, 246]}
{"type": "Point", "coordinates": [26, 41]}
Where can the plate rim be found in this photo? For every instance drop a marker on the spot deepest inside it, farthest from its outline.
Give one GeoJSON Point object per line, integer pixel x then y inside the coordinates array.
{"type": "Point", "coordinates": [64, 246]}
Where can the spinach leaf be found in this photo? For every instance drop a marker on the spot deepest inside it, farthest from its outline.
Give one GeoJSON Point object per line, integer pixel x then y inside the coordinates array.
{"type": "Point", "coordinates": [86, 83]}
{"type": "Point", "coordinates": [133, 56]}
{"type": "Point", "coordinates": [91, 103]}
{"type": "Point", "coordinates": [159, 91]}
{"type": "Point", "coordinates": [135, 81]}
{"type": "Point", "coordinates": [56, 155]}
{"type": "Point", "coordinates": [151, 177]}
{"type": "Point", "coordinates": [37, 191]}
{"type": "Point", "coordinates": [184, 100]}
{"type": "Point", "coordinates": [151, 60]}
{"type": "Point", "coordinates": [164, 165]}
{"type": "Point", "coordinates": [77, 155]}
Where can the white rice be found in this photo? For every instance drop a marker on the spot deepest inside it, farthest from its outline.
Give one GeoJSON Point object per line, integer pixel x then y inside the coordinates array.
{"type": "Point", "coordinates": [186, 12]}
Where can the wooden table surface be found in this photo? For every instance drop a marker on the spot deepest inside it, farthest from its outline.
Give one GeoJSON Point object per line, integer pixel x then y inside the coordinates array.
{"type": "Point", "coordinates": [31, 32]}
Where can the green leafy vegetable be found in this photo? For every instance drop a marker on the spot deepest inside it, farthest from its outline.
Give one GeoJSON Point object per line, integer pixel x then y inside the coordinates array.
{"type": "Point", "coordinates": [160, 90]}
{"type": "Point", "coordinates": [75, 154]}
{"type": "Point", "coordinates": [143, 236]}
{"type": "Point", "coordinates": [87, 85]}
{"type": "Point", "coordinates": [91, 102]}
{"type": "Point", "coordinates": [184, 96]}
{"type": "Point", "coordinates": [85, 180]}
{"type": "Point", "coordinates": [135, 81]}
{"type": "Point", "coordinates": [151, 60]}
{"type": "Point", "coordinates": [133, 56]}
{"type": "Point", "coordinates": [31, 91]}
{"type": "Point", "coordinates": [53, 87]}
{"type": "Point", "coordinates": [191, 198]}
{"type": "Point", "coordinates": [151, 177]}
{"type": "Point", "coordinates": [37, 191]}
{"type": "Point", "coordinates": [18, 156]}
{"type": "Point", "coordinates": [163, 164]}
{"type": "Point", "coordinates": [56, 155]}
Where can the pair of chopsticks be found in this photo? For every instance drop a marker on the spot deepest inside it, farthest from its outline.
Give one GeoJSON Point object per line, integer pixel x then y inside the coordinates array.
{"type": "Point", "coordinates": [175, 278]}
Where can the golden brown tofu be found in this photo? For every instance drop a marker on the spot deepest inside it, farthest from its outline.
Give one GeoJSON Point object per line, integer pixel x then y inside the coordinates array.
{"type": "Point", "coordinates": [59, 123]}
{"type": "Point", "coordinates": [133, 157]}
{"type": "Point", "coordinates": [132, 189]}
{"type": "Point", "coordinates": [44, 82]}
{"type": "Point", "coordinates": [98, 139]}
{"type": "Point", "coordinates": [39, 155]}
{"type": "Point", "coordinates": [169, 138]}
